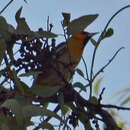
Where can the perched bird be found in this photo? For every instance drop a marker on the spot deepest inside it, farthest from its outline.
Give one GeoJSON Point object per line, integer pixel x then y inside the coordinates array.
{"type": "Point", "coordinates": [62, 65]}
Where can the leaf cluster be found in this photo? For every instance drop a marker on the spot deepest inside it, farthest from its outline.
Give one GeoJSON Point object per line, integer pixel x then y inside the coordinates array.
{"type": "Point", "coordinates": [19, 102]}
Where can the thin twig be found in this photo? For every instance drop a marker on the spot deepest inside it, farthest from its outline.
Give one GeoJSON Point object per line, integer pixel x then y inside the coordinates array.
{"type": "Point", "coordinates": [98, 118]}
{"type": "Point", "coordinates": [47, 119]}
{"type": "Point", "coordinates": [46, 40]}
{"type": "Point", "coordinates": [55, 110]}
{"type": "Point", "coordinates": [100, 96]}
{"type": "Point", "coordinates": [6, 6]}
{"type": "Point", "coordinates": [114, 107]}
{"type": "Point", "coordinates": [91, 72]}
{"type": "Point", "coordinates": [98, 42]}
{"type": "Point", "coordinates": [113, 16]}
{"type": "Point", "coordinates": [108, 63]}
{"type": "Point", "coordinates": [65, 126]}
{"type": "Point", "coordinates": [86, 68]}
{"type": "Point", "coordinates": [64, 32]}
{"type": "Point", "coordinates": [48, 23]}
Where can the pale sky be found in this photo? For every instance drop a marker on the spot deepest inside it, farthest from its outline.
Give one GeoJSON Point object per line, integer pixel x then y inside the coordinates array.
{"type": "Point", "coordinates": [116, 76]}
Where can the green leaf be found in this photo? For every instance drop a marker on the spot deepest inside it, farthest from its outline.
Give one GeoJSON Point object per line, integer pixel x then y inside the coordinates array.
{"type": "Point", "coordinates": [31, 110]}
{"type": "Point", "coordinates": [125, 101]}
{"type": "Point", "coordinates": [11, 29]}
{"type": "Point", "coordinates": [122, 93]}
{"type": "Point", "coordinates": [66, 19]}
{"type": "Point", "coordinates": [45, 91]}
{"type": "Point", "coordinates": [97, 86]}
{"type": "Point", "coordinates": [17, 15]}
{"type": "Point", "coordinates": [108, 33]}
{"type": "Point", "coordinates": [3, 24]}
{"type": "Point", "coordinates": [10, 41]}
{"type": "Point", "coordinates": [80, 23]}
{"type": "Point", "coordinates": [22, 27]}
{"type": "Point", "coordinates": [65, 109]}
{"type": "Point", "coordinates": [93, 42]}
{"type": "Point", "coordinates": [122, 125]}
{"type": "Point", "coordinates": [80, 72]}
{"type": "Point", "coordinates": [31, 73]}
{"type": "Point", "coordinates": [22, 100]}
{"type": "Point", "coordinates": [4, 29]}
{"type": "Point", "coordinates": [15, 107]}
{"type": "Point", "coordinates": [46, 34]}
{"type": "Point", "coordinates": [25, 88]}
{"type": "Point", "coordinates": [2, 49]}
{"type": "Point", "coordinates": [79, 85]}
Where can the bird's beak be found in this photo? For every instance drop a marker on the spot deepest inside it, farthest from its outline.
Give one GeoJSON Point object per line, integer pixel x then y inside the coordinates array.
{"type": "Point", "coordinates": [92, 34]}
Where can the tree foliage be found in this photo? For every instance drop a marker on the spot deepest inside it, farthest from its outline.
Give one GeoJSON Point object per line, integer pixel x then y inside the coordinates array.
{"type": "Point", "coordinates": [22, 53]}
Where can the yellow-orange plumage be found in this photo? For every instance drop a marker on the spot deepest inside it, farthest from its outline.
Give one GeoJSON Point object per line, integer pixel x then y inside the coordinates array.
{"type": "Point", "coordinates": [62, 66]}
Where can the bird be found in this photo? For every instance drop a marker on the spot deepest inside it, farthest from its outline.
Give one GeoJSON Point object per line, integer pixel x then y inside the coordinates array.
{"type": "Point", "coordinates": [66, 57]}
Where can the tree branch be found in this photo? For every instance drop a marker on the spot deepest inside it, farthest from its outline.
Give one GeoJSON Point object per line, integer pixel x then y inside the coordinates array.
{"type": "Point", "coordinates": [98, 42]}
{"type": "Point", "coordinates": [108, 63]}
{"type": "Point", "coordinates": [115, 107]}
